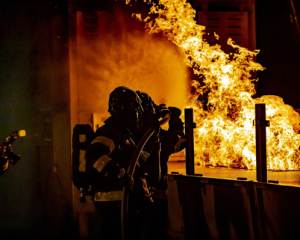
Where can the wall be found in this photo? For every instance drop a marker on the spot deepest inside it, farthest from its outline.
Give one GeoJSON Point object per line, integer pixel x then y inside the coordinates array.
{"type": "Point", "coordinates": [110, 48]}
{"type": "Point", "coordinates": [34, 74]}
{"type": "Point", "coordinates": [278, 38]}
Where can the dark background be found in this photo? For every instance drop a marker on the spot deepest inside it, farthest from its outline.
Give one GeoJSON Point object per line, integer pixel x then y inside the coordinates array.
{"type": "Point", "coordinates": [279, 41]}
{"type": "Point", "coordinates": [35, 194]}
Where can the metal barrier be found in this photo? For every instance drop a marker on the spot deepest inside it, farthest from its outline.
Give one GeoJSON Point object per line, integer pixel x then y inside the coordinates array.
{"type": "Point", "coordinates": [189, 132]}
{"type": "Point", "coordinates": [261, 123]}
{"type": "Point", "coordinates": [211, 208]}
{"type": "Point", "coordinates": [214, 208]}
{"type": "Point", "coordinates": [278, 211]}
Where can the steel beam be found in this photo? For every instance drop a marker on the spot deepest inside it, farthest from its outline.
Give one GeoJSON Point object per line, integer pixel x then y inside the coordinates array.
{"type": "Point", "coordinates": [189, 132]}
{"type": "Point", "coordinates": [261, 142]}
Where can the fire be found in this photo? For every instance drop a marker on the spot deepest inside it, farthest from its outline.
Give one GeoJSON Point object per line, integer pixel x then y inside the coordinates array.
{"type": "Point", "coordinates": [225, 135]}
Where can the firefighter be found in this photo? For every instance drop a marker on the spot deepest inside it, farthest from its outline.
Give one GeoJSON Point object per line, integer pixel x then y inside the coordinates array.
{"type": "Point", "coordinates": [152, 113]}
{"type": "Point", "coordinates": [166, 142]}
{"type": "Point", "coordinates": [109, 154]}
{"type": "Point", "coordinates": [172, 140]}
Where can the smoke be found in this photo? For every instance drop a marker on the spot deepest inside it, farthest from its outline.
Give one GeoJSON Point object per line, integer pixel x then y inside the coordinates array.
{"type": "Point", "coordinates": [123, 54]}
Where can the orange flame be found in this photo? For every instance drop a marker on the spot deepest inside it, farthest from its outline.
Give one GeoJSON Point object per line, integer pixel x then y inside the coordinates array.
{"type": "Point", "coordinates": [225, 135]}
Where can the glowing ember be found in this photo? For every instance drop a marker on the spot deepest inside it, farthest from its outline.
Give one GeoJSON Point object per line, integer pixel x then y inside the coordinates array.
{"type": "Point", "coordinates": [225, 135]}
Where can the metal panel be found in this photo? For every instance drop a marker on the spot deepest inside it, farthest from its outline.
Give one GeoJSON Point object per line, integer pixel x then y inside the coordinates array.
{"type": "Point", "coordinates": [230, 209]}
{"type": "Point", "coordinates": [216, 208]}
{"type": "Point", "coordinates": [261, 141]}
{"type": "Point", "coordinates": [175, 214]}
{"type": "Point", "coordinates": [189, 131]}
{"type": "Point", "coordinates": [278, 211]}
{"type": "Point", "coordinates": [232, 25]}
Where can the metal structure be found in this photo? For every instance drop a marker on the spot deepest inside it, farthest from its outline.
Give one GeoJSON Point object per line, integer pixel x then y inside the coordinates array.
{"type": "Point", "coordinates": [261, 142]}
{"type": "Point", "coordinates": [189, 132]}
{"type": "Point", "coordinates": [214, 208]}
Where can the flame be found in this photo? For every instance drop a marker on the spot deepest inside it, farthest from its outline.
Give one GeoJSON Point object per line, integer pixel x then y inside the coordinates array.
{"type": "Point", "coordinates": [225, 135]}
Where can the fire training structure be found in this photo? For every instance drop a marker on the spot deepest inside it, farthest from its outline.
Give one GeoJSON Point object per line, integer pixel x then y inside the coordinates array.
{"type": "Point", "coordinates": [212, 208]}
{"type": "Point", "coordinates": [225, 134]}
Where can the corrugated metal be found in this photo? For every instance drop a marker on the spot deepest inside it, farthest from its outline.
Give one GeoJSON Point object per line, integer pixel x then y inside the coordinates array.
{"type": "Point", "coordinates": [232, 25]}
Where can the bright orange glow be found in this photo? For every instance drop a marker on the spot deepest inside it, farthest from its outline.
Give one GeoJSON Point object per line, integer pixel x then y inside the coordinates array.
{"type": "Point", "coordinates": [122, 54]}
{"type": "Point", "coordinates": [225, 135]}
{"type": "Point", "coordinates": [21, 133]}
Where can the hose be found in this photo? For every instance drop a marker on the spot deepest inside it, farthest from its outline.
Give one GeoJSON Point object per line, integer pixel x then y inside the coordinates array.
{"type": "Point", "coordinates": [130, 171]}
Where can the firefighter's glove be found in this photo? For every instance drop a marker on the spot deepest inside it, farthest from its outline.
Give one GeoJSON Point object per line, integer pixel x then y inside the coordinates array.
{"type": "Point", "coordinates": [175, 123]}
{"type": "Point", "coordinates": [175, 112]}
{"type": "Point", "coordinates": [162, 111]}
{"type": "Point", "coordinates": [125, 179]}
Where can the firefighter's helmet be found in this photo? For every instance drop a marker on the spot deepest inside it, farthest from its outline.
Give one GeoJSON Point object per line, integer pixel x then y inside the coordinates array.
{"type": "Point", "coordinates": [147, 103]}
{"type": "Point", "coordinates": [125, 102]}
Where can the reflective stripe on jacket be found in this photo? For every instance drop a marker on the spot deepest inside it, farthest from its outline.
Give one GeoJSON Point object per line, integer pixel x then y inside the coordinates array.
{"type": "Point", "coordinates": [108, 196]}
{"type": "Point", "coordinates": [108, 153]}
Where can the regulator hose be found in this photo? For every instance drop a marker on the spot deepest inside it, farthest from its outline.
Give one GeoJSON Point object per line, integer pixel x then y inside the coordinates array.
{"type": "Point", "coordinates": [130, 171]}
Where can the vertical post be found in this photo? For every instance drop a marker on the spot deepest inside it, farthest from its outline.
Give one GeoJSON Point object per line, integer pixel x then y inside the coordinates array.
{"type": "Point", "coordinates": [261, 142]}
{"type": "Point", "coordinates": [189, 132]}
